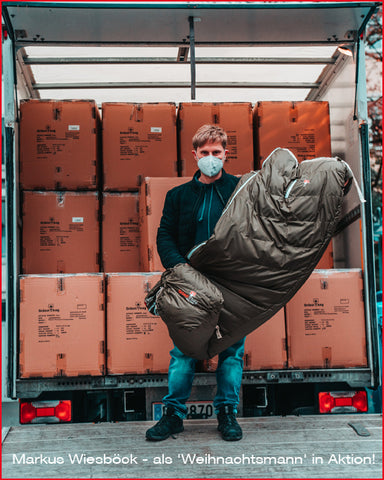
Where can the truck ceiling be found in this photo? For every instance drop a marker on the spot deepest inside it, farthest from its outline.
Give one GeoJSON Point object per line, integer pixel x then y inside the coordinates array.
{"type": "Point", "coordinates": [162, 23]}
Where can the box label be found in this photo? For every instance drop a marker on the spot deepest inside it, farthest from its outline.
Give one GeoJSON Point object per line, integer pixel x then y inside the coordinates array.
{"type": "Point", "coordinates": [232, 146]}
{"type": "Point", "coordinates": [136, 144]}
{"type": "Point", "coordinates": [52, 324]}
{"type": "Point", "coordinates": [303, 144]}
{"type": "Point", "coordinates": [319, 317]}
{"type": "Point", "coordinates": [53, 234]}
{"type": "Point", "coordinates": [77, 219]}
{"type": "Point", "coordinates": [144, 326]}
{"type": "Point", "coordinates": [129, 235]}
{"type": "Point", "coordinates": [49, 143]}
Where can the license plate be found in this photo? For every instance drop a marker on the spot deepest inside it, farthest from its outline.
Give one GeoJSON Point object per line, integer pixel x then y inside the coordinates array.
{"type": "Point", "coordinates": [203, 409]}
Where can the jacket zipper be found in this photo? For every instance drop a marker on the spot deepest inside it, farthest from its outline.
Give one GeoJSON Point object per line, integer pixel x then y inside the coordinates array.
{"type": "Point", "coordinates": [195, 248]}
{"type": "Point", "coordinates": [195, 207]}
{"type": "Point", "coordinates": [290, 188]}
{"type": "Point", "coordinates": [222, 199]}
{"type": "Point", "coordinates": [218, 333]}
{"type": "Point", "coordinates": [201, 216]}
{"type": "Point", "coordinates": [219, 194]}
{"type": "Point", "coordinates": [209, 213]}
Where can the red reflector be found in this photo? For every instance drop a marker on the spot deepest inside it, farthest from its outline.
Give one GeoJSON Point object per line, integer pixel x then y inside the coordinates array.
{"type": "Point", "coordinates": [360, 401]}
{"type": "Point", "coordinates": [63, 411]}
{"type": "Point", "coordinates": [326, 402]}
{"type": "Point", "coordinates": [337, 401]}
{"type": "Point", "coordinates": [45, 412]}
{"type": "Point", "coordinates": [343, 402]}
{"type": "Point", "coordinates": [27, 412]}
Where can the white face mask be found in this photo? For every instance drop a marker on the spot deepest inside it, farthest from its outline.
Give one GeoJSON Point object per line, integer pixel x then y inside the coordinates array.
{"type": "Point", "coordinates": [210, 165]}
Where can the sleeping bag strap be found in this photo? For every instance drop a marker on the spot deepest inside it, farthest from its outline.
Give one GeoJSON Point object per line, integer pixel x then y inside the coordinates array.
{"type": "Point", "coordinates": [359, 192]}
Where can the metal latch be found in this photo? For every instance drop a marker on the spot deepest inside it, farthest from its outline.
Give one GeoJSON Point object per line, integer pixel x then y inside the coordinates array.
{"type": "Point", "coordinates": [298, 376]}
{"type": "Point", "coordinates": [272, 377]}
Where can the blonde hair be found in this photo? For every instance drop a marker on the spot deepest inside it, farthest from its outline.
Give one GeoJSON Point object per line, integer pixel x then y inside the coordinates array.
{"type": "Point", "coordinates": [209, 134]}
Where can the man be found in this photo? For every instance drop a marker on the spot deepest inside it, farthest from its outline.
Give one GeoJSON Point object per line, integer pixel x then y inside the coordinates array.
{"type": "Point", "coordinates": [190, 214]}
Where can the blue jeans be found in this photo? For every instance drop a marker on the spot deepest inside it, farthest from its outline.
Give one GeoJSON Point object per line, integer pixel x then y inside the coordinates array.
{"type": "Point", "coordinates": [228, 376]}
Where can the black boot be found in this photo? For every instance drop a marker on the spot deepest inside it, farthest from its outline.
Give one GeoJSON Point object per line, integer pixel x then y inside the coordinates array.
{"type": "Point", "coordinates": [168, 424]}
{"type": "Point", "coordinates": [228, 426]}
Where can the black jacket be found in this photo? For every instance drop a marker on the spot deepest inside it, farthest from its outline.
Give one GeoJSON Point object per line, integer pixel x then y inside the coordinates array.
{"type": "Point", "coordinates": [177, 231]}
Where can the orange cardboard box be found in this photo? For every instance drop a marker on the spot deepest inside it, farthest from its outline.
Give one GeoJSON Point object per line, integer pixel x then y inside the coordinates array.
{"type": "Point", "coordinates": [60, 232]}
{"type": "Point", "coordinates": [321, 317]}
{"type": "Point", "coordinates": [59, 144]}
{"type": "Point", "coordinates": [152, 196]}
{"type": "Point", "coordinates": [138, 342]}
{"type": "Point", "coordinates": [234, 118]}
{"type": "Point", "coordinates": [302, 127]}
{"type": "Point", "coordinates": [264, 348]}
{"type": "Point", "coordinates": [326, 261]}
{"type": "Point", "coordinates": [121, 237]}
{"type": "Point", "coordinates": [62, 325]}
{"type": "Point", "coordinates": [138, 140]}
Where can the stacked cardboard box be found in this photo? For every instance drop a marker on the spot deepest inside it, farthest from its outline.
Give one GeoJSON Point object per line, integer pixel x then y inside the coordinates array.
{"type": "Point", "coordinates": [138, 342]}
{"type": "Point", "coordinates": [62, 325]}
{"type": "Point", "coordinates": [59, 144]}
{"type": "Point", "coordinates": [62, 320]}
{"type": "Point", "coordinates": [152, 195]}
{"type": "Point", "coordinates": [302, 127]}
{"type": "Point", "coordinates": [321, 317]}
{"type": "Point", "coordinates": [326, 261]}
{"type": "Point", "coordinates": [138, 140]}
{"type": "Point", "coordinates": [265, 348]}
{"type": "Point", "coordinates": [234, 118]}
{"type": "Point", "coordinates": [121, 236]}
{"type": "Point", "coordinates": [60, 232]}
{"type": "Point", "coordinates": [59, 150]}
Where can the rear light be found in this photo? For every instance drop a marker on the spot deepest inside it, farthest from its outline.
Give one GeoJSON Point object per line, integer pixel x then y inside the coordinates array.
{"type": "Point", "coordinates": [27, 413]}
{"type": "Point", "coordinates": [54, 411]}
{"type": "Point", "coordinates": [343, 402]}
{"type": "Point", "coordinates": [63, 411]}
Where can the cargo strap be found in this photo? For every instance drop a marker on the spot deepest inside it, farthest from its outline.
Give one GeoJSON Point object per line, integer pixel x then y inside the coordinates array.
{"type": "Point", "coordinates": [359, 429]}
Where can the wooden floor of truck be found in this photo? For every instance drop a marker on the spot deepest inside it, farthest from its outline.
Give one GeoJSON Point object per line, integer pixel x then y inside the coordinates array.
{"type": "Point", "coordinates": [272, 447]}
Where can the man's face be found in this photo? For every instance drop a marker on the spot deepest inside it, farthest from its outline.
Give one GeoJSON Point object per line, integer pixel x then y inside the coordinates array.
{"type": "Point", "coordinates": [214, 148]}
